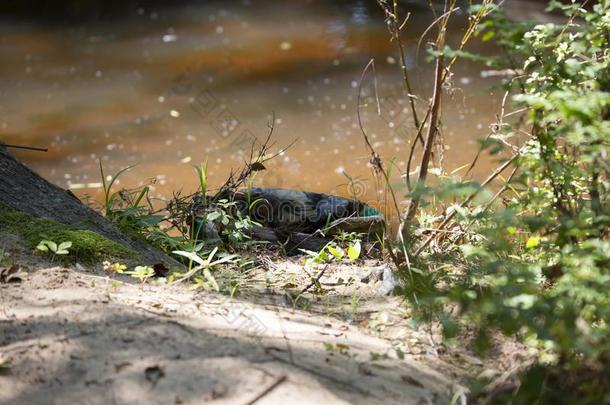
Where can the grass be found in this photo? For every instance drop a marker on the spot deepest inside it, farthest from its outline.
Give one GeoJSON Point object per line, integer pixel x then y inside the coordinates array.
{"type": "Point", "coordinates": [87, 247]}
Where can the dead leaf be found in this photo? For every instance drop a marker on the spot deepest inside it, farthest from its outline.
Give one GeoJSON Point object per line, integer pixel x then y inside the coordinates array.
{"type": "Point", "coordinates": [257, 167]}
{"type": "Point", "coordinates": [154, 374]}
{"type": "Point", "coordinates": [11, 274]}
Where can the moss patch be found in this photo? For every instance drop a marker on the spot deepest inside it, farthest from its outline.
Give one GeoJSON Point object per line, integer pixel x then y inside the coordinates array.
{"type": "Point", "coordinates": [87, 247]}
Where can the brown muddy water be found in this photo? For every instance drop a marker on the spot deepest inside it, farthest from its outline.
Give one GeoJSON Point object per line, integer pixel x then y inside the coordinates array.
{"type": "Point", "coordinates": [167, 88]}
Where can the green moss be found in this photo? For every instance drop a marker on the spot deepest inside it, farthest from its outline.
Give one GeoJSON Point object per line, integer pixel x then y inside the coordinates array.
{"type": "Point", "coordinates": [87, 247]}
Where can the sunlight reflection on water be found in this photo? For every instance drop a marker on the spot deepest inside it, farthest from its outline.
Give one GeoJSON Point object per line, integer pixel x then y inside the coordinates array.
{"type": "Point", "coordinates": [168, 88]}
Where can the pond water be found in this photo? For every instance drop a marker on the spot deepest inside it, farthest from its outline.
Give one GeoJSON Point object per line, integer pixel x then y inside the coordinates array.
{"type": "Point", "coordinates": [167, 88]}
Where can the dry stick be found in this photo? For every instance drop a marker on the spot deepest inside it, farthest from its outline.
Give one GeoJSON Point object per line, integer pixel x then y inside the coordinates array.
{"type": "Point", "coordinates": [501, 119]}
{"type": "Point", "coordinates": [436, 21]}
{"type": "Point", "coordinates": [414, 145]}
{"type": "Point", "coordinates": [314, 281]}
{"type": "Point", "coordinates": [471, 29]}
{"type": "Point", "coordinates": [489, 203]}
{"type": "Point", "coordinates": [432, 129]}
{"type": "Point", "coordinates": [267, 390]}
{"type": "Point", "coordinates": [433, 111]}
{"type": "Point", "coordinates": [403, 65]}
{"type": "Point", "coordinates": [376, 160]}
{"type": "Point", "coordinates": [465, 202]}
{"type": "Point", "coordinates": [6, 145]}
{"type": "Point", "coordinates": [232, 183]}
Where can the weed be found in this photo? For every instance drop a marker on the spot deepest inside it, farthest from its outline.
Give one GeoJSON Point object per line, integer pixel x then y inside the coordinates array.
{"type": "Point", "coordinates": [331, 251]}
{"type": "Point", "coordinates": [53, 248]}
{"type": "Point", "coordinates": [142, 273]}
{"type": "Point", "coordinates": [201, 268]}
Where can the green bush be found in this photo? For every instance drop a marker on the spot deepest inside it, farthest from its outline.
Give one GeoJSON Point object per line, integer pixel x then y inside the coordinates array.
{"type": "Point", "coordinates": [538, 265]}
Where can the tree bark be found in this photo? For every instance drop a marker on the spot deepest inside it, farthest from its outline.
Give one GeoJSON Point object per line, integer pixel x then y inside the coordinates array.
{"type": "Point", "coordinates": [23, 190]}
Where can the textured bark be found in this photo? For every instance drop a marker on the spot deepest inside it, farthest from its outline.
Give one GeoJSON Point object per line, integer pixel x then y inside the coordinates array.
{"type": "Point", "coordinates": [24, 190]}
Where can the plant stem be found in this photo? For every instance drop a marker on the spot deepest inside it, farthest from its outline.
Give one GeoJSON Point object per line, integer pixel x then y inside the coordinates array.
{"type": "Point", "coordinates": [432, 129]}
{"type": "Point", "coordinates": [403, 65]}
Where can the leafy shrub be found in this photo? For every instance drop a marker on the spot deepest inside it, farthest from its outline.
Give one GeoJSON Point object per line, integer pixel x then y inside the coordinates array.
{"type": "Point", "coordinates": [538, 265]}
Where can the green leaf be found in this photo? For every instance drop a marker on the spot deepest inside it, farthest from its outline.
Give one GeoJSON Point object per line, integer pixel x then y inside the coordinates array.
{"type": "Point", "coordinates": [142, 272]}
{"type": "Point", "coordinates": [64, 246]}
{"type": "Point", "coordinates": [202, 173]}
{"type": "Point", "coordinates": [533, 242]}
{"type": "Point", "coordinates": [213, 216]}
{"type": "Point", "coordinates": [212, 253]}
{"type": "Point", "coordinates": [190, 255]}
{"type": "Point", "coordinates": [211, 280]}
{"type": "Point", "coordinates": [488, 35]}
{"type": "Point", "coordinates": [337, 252]}
{"type": "Point", "coordinates": [52, 245]}
{"type": "Point", "coordinates": [353, 251]}
{"type": "Point", "coordinates": [224, 259]}
{"type": "Point", "coordinates": [42, 247]}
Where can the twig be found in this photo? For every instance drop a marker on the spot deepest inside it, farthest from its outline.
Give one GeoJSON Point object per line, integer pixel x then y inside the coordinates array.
{"type": "Point", "coordinates": [434, 117]}
{"type": "Point", "coordinates": [500, 122]}
{"type": "Point", "coordinates": [6, 145]}
{"type": "Point", "coordinates": [436, 21]}
{"type": "Point", "coordinates": [267, 390]}
{"type": "Point", "coordinates": [462, 233]}
{"type": "Point", "coordinates": [413, 146]}
{"type": "Point", "coordinates": [377, 163]}
{"type": "Point", "coordinates": [315, 281]}
{"type": "Point", "coordinates": [375, 158]}
{"type": "Point", "coordinates": [465, 202]}
{"type": "Point", "coordinates": [403, 62]}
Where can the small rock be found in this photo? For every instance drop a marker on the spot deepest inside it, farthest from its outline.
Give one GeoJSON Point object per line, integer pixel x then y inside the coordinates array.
{"type": "Point", "coordinates": [154, 374]}
{"type": "Point", "coordinates": [390, 282]}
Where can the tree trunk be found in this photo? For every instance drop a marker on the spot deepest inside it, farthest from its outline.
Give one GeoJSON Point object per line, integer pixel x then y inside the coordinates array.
{"type": "Point", "coordinates": [23, 190]}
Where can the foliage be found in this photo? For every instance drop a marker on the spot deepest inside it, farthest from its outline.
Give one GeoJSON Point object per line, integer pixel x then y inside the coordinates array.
{"type": "Point", "coordinates": [233, 225]}
{"type": "Point", "coordinates": [49, 246]}
{"type": "Point", "coordinates": [114, 267]}
{"type": "Point", "coordinates": [200, 267]}
{"type": "Point", "coordinates": [537, 265]}
{"type": "Point", "coordinates": [133, 212]}
{"type": "Point", "coordinates": [337, 249]}
{"type": "Point", "coordinates": [142, 273]}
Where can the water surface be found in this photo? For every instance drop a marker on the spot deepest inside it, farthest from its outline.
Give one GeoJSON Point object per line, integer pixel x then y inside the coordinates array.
{"type": "Point", "coordinates": [167, 88]}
